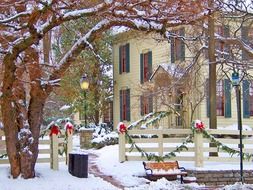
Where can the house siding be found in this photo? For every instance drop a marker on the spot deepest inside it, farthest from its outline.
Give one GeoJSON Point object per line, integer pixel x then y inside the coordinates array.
{"type": "Point", "coordinates": [160, 54]}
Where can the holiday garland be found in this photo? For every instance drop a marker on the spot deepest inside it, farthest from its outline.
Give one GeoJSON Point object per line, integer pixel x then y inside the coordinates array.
{"type": "Point", "coordinates": [197, 127]}
{"type": "Point", "coordinates": [152, 117]}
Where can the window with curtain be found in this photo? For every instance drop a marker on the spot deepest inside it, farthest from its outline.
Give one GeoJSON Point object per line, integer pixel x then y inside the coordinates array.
{"type": "Point", "coordinates": [125, 105]}
{"type": "Point", "coordinates": [124, 58]}
{"type": "Point", "coordinates": [145, 66]}
{"type": "Point", "coordinates": [178, 46]}
{"type": "Point", "coordinates": [220, 98]}
{"type": "Point", "coordinates": [146, 102]}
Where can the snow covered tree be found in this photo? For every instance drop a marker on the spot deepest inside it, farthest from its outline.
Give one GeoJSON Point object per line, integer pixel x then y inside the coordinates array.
{"type": "Point", "coordinates": [29, 77]}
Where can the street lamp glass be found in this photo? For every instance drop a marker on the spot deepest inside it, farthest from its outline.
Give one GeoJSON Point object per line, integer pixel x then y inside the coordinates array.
{"type": "Point", "coordinates": [84, 83]}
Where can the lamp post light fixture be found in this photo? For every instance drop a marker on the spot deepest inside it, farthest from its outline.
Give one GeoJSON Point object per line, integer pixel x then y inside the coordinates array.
{"type": "Point", "coordinates": [236, 84]}
{"type": "Point", "coordinates": [84, 83]}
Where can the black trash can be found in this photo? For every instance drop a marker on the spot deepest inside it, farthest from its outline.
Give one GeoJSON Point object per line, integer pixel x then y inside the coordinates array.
{"type": "Point", "coordinates": [78, 164]}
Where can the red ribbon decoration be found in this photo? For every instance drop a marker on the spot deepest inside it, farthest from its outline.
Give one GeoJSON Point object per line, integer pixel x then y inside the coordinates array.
{"type": "Point", "coordinates": [122, 128]}
{"type": "Point", "coordinates": [54, 130]}
{"type": "Point", "coordinates": [200, 126]}
{"type": "Point", "coordinates": [69, 128]}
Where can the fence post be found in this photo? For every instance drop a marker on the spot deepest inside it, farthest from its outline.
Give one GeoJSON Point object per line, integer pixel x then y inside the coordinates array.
{"type": "Point", "coordinates": [160, 144]}
{"type": "Point", "coordinates": [199, 157]}
{"type": "Point", "coordinates": [69, 144]}
{"type": "Point", "coordinates": [122, 147]}
{"type": "Point", "coordinates": [54, 160]}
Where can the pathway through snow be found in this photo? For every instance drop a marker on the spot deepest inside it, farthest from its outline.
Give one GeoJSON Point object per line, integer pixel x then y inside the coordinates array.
{"type": "Point", "coordinates": [93, 169]}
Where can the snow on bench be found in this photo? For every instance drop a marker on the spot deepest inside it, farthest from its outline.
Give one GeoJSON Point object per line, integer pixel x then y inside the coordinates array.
{"type": "Point", "coordinates": [169, 170]}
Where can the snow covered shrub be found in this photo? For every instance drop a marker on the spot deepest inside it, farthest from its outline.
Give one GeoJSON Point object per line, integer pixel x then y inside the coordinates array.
{"type": "Point", "coordinates": [105, 140]}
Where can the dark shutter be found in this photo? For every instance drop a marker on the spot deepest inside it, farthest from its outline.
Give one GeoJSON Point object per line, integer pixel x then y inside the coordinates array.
{"type": "Point", "coordinates": [127, 58]}
{"type": "Point", "coordinates": [121, 104]}
{"type": "Point", "coordinates": [142, 104]}
{"type": "Point", "coordinates": [244, 33]}
{"type": "Point", "coordinates": [227, 92]}
{"type": "Point", "coordinates": [141, 67]}
{"type": "Point", "coordinates": [120, 55]}
{"type": "Point", "coordinates": [207, 99]}
{"type": "Point", "coordinates": [150, 103]}
{"type": "Point", "coordinates": [149, 64]}
{"type": "Point", "coordinates": [182, 45]}
{"type": "Point", "coordinates": [245, 93]}
{"type": "Point", "coordinates": [128, 118]}
{"type": "Point", "coordinates": [172, 49]}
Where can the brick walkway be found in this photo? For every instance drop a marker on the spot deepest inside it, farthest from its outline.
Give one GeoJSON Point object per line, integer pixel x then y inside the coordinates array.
{"type": "Point", "coordinates": [93, 169]}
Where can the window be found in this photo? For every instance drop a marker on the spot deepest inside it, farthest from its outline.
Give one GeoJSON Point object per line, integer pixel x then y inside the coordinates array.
{"type": "Point", "coordinates": [177, 46]}
{"type": "Point", "coordinates": [146, 104]}
{"type": "Point", "coordinates": [220, 98]}
{"type": "Point", "coordinates": [223, 98]}
{"type": "Point", "coordinates": [124, 58]}
{"type": "Point", "coordinates": [145, 66]}
{"type": "Point", "coordinates": [220, 45]}
{"type": "Point", "coordinates": [251, 98]}
{"type": "Point", "coordinates": [125, 105]}
{"type": "Point", "coordinates": [222, 49]}
{"type": "Point", "coordinates": [179, 106]}
{"type": "Point", "coordinates": [247, 37]}
{"type": "Point", "coordinates": [247, 91]}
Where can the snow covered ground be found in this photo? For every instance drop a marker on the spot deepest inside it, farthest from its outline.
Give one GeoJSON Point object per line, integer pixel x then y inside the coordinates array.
{"type": "Point", "coordinates": [127, 173]}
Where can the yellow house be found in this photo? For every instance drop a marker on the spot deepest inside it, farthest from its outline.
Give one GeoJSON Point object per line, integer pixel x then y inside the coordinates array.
{"type": "Point", "coordinates": [143, 61]}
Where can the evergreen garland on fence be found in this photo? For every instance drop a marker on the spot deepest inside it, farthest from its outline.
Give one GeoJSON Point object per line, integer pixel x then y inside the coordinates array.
{"type": "Point", "coordinates": [152, 156]}
{"type": "Point", "coordinates": [153, 117]}
{"type": "Point", "coordinates": [188, 139]}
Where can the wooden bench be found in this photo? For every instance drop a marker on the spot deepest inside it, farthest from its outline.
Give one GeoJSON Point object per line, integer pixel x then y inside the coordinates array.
{"type": "Point", "coordinates": [169, 170]}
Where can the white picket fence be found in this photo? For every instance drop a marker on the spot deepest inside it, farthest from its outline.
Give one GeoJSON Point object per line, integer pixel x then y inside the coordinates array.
{"type": "Point", "coordinates": [163, 141]}
{"type": "Point", "coordinates": [48, 149]}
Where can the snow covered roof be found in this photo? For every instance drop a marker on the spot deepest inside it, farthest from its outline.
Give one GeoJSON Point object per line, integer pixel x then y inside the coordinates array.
{"type": "Point", "coordinates": [171, 68]}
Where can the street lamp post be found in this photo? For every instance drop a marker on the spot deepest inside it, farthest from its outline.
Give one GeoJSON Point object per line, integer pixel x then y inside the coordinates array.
{"type": "Point", "coordinates": [236, 84]}
{"type": "Point", "coordinates": [84, 83]}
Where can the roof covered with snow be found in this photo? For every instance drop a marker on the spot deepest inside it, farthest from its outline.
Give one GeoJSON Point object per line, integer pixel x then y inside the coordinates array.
{"type": "Point", "coordinates": [171, 68]}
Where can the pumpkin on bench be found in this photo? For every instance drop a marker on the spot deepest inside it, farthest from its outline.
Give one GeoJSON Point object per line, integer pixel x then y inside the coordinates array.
{"type": "Point", "coordinates": [168, 170]}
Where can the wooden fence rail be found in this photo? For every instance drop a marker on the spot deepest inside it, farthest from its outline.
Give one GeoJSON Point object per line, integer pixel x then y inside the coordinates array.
{"type": "Point", "coordinates": [48, 149]}
{"type": "Point", "coordinates": [161, 142]}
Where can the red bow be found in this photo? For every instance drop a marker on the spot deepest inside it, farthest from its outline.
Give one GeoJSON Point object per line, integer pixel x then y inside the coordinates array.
{"type": "Point", "coordinates": [54, 130]}
{"type": "Point", "coordinates": [69, 128]}
{"type": "Point", "coordinates": [200, 126]}
{"type": "Point", "coordinates": [122, 128]}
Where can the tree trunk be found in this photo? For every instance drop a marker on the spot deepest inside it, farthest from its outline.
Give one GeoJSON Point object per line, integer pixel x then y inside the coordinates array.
{"type": "Point", "coordinates": [9, 116]}
{"type": "Point", "coordinates": [212, 75]}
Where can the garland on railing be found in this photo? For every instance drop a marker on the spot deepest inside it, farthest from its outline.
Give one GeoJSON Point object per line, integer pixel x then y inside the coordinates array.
{"type": "Point", "coordinates": [157, 116]}
{"type": "Point", "coordinates": [227, 149]}
{"type": "Point", "coordinates": [152, 156]}
{"type": "Point", "coordinates": [197, 127]}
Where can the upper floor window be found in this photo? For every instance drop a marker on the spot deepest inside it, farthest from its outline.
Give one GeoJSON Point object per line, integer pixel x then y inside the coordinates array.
{"type": "Point", "coordinates": [222, 50]}
{"type": "Point", "coordinates": [178, 46]}
{"type": "Point", "coordinates": [145, 66]}
{"type": "Point", "coordinates": [247, 37]}
{"type": "Point", "coordinates": [124, 58]}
